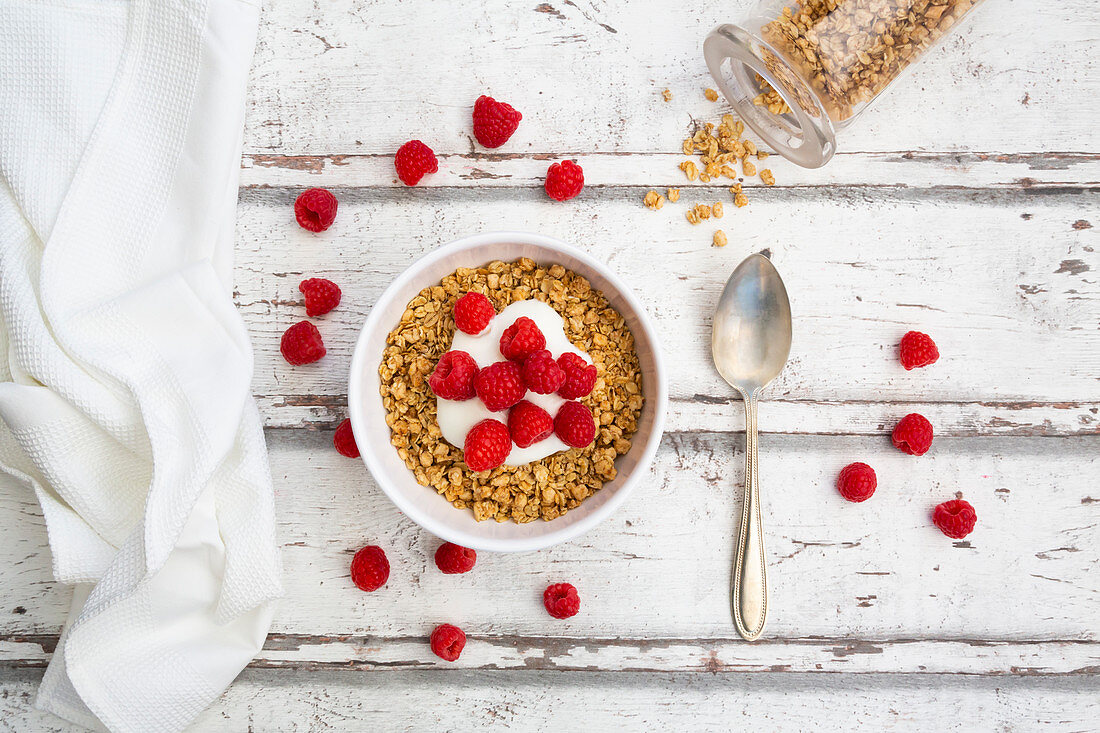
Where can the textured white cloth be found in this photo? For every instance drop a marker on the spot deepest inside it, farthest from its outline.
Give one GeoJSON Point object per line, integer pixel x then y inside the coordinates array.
{"type": "Point", "coordinates": [125, 370]}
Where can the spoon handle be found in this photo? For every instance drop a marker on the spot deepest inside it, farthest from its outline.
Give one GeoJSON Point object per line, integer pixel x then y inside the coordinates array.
{"type": "Point", "coordinates": [750, 578]}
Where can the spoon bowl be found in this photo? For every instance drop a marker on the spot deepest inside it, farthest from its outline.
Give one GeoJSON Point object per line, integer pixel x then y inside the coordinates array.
{"type": "Point", "coordinates": [750, 344]}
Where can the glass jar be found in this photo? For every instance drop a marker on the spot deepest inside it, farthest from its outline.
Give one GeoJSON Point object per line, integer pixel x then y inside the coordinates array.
{"type": "Point", "coordinates": [799, 72]}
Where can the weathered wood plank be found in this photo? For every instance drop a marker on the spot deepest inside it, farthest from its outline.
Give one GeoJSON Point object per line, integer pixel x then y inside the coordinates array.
{"type": "Point", "coordinates": [1016, 322]}
{"type": "Point", "coordinates": [481, 170]}
{"type": "Point", "coordinates": [845, 573]}
{"type": "Point", "coordinates": [282, 700]}
{"type": "Point", "coordinates": [347, 77]}
{"type": "Point", "coordinates": [568, 654]}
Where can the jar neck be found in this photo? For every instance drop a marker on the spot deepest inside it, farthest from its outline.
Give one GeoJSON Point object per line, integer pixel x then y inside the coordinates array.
{"type": "Point", "coordinates": [789, 118]}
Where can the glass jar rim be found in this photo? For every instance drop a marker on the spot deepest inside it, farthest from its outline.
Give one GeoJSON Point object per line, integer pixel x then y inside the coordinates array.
{"type": "Point", "coordinates": [812, 142]}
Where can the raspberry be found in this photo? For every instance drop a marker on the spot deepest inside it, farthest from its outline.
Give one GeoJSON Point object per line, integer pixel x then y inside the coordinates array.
{"type": "Point", "coordinates": [917, 350]}
{"type": "Point", "coordinates": [494, 122]}
{"type": "Point", "coordinates": [448, 642]}
{"type": "Point", "coordinates": [315, 209]}
{"type": "Point", "coordinates": [574, 425]}
{"type": "Point", "coordinates": [321, 295]}
{"type": "Point", "coordinates": [857, 482]}
{"type": "Point", "coordinates": [369, 568]}
{"type": "Point", "coordinates": [521, 339]}
{"type": "Point", "coordinates": [913, 434]}
{"type": "Point", "coordinates": [344, 440]}
{"type": "Point", "coordinates": [413, 161]}
{"type": "Point", "coordinates": [561, 600]}
{"type": "Point", "coordinates": [564, 180]}
{"type": "Point", "coordinates": [500, 385]}
{"type": "Point", "coordinates": [454, 375]}
{"type": "Point", "coordinates": [580, 376]}
{"type": "Point", "coordinates": [487, 445]}
{"type": "Point", "coordinates": [473, 311]}
{"type": "Point", "coordinates": [528, 423]}
{"type": "Point", "coordinates": [955, 518]}
{"type": "Point", "coordinates": [302, 344]}
{"type": "Point", "coordinates": [542, 374]}
{"type": "Point", "coordinates": [452, 559]}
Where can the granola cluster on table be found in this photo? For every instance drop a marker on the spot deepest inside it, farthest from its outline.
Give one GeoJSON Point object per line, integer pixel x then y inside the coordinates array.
{"type": "Point", "coordinates": [544, 489]}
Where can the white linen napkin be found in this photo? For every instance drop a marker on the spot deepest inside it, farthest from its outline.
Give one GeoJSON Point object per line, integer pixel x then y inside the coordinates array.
{"type": "Point", "coordinates": [125, 370]}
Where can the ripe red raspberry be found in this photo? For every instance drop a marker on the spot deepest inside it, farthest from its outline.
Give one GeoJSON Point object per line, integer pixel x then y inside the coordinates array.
{"type": "Point", "coordinates": [857, 482]}
{"type": "Point", "coordinates": [542, 374]}
{"type": "Point", "coordinates": [473, 311]}
{"type": "Point", "coordinates": [528, 424]}
{"type": "Point", "coordinates": [955, 518]}
{"type": "Point", "coordinates": [301, 344]}
{"type": "Point", "coordinates": [494, 122]}
{"type": "Point", "coordinates": [561, 600]}
{"type": "Point", "coordinates": [487, 445]}
{"type": "Point", "coordinates": [521, 339]}
{"type": "Point", "coordinates": [913, 434]}
{"type": "Point", "coordinates": [917, 350]}
{"type": "Point", "coordinates": [452, 559]}
{"type": "Point", "coordinates": [564, 180]}
{"type": "Point", "coordinates": [454, 375]}
{"type": "Point", "coordinates": [580, 376]}
{"type": "Point", "coordinates": [448, 642]}
{"type": "Point", "coordinates": [574, 425]}
{"type": "Point", "coordinates": [369, 568]}
{"type": "Point", "coordinates": [413, 161]}
{"type": "Point", "coordinates": [344, 440]}
{"type": "Point", "coordinates": [315, 209]}
{"type": "Point", "coordinates": [500, 385]}
{"type": "Point", "coordinates": [321, 295]}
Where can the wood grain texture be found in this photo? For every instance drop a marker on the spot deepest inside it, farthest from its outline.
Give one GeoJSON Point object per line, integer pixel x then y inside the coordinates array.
{"type": "Point", "coordinates": [1016, 322]}
{"type": "Point", "coordinates": [268, 700]}
{"type": "Point", "coordinates": [893, 594]}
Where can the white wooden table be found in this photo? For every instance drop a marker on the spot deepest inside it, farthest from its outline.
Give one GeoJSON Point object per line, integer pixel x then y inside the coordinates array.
{"type": "Point", "coordinates": [963, 205]}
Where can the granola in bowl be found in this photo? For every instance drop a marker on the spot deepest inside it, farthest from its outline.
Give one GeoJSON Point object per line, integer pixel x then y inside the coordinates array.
{"type": "Point", "coordinates": [547, 488]}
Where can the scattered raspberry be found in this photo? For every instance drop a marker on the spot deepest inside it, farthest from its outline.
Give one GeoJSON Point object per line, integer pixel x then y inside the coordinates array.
{"type": "Point", "coordinates": [913, 434]}
{"type": "Point", "coordinates": [315, 209]}
{"type": "Point", "coordinates": [528, 424]}
{"type": "Point", "coordinates": [321, 295]}
{"type": "Point", "coordinates": [580, 376]}
{"type": "Point", "coordinates": [542, 374]}
{"type": "Point", "coordinates": [857, 482]}
{"type": "Point", "coordinates": [473, 311]}
{"type": "Point", "coordinates": [574, 425]}
{"type": "Point", "coordinates": [487, 445]}
{"type": "Point", "coordinates": [521, 339]}
{"type": "Point", "coordinates": [369, 568]}
{"type": "Point", "coordinates": [561, 600]}
{"type": "Point", "coordinates": [494, 122]}
{"type": "Point", "coordinates": [302, 344]}
{"type": "Point", "coordinates": [564, 180]}
{"type": "Point", "coordinates": [413, 161]}
{"type": "Point", "coordinates": [500, 385]}
{"type": "Point", "coordinates": [448, 642]}
{"type": "Point", "coordinates": [454, 375]}
{"type": "Point", "coordinates": [955, 518]}
{"type": "Point", "coordinates": [918, 350]}
{"type": "Point", "coordinates": [344, 440]}
{"type": "Point", "coordinates": [453, 559]}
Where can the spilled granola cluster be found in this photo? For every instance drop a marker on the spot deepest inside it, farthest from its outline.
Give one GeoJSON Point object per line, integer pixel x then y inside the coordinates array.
{"type": "Point", "coordinates": [543, 489]}
{"type": "Point", "coordinates": [715, 152]}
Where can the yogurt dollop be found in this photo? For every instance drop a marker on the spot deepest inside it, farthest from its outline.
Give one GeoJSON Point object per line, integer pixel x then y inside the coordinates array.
{"type": "Point", "coordinates": [456, 418]}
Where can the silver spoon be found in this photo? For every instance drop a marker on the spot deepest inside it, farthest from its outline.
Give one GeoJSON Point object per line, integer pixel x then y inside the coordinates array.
{"type": "Point", "coordinates": [750, 343]}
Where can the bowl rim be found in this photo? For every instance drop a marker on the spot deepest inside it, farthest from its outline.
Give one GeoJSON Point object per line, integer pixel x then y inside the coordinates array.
{"type": "Point", "coordinates": [409, 507]}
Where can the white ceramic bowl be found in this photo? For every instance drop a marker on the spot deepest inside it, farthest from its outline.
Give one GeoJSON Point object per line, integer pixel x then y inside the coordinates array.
{"type": "Point", "coordinates": [423, 505]}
